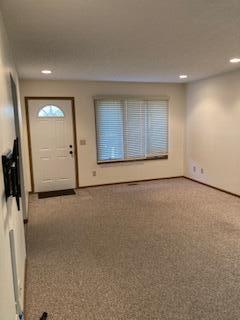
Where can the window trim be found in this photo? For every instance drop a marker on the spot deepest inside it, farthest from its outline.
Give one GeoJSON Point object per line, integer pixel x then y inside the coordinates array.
{"type": "Point", "coordinates": [163, 157]}
{"type": "Point", "coordinates": [140, 98]}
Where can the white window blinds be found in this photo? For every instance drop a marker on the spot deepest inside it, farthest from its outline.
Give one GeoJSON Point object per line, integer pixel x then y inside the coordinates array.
{"type": "Point", "coordinates": [131, 129]}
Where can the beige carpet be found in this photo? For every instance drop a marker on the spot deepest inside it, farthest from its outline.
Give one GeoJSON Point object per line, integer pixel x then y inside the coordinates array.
{"type": "Point", "coordinates": [166, 249]}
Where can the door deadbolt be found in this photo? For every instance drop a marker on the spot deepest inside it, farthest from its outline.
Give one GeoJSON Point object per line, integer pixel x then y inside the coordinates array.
{"type": "Point", "coordinates": [70, 146]}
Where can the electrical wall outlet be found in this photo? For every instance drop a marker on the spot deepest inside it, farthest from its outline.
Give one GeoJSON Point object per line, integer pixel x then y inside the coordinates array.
{"type": "Point", "coordinates": [94, 173]}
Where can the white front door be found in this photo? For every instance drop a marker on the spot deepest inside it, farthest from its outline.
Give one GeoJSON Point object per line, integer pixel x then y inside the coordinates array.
{"type": "Point", "coordinates": [52, 144]}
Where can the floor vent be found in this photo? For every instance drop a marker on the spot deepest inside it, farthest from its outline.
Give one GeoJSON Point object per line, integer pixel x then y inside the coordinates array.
{"type": "Point", "coordinates": [58, 193]}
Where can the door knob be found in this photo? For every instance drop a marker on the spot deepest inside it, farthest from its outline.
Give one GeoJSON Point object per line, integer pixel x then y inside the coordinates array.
{"type": "Point", "coordinates": [70, 152]}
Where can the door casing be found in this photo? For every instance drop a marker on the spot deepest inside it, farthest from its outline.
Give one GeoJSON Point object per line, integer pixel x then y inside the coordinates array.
{"type": "Point", "coordinates": [71, 99]}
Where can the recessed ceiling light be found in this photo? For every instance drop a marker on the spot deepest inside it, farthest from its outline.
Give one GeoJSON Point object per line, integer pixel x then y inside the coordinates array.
{"type": "Point", "coordinates": [46, 71]}
{"type": "Point", "coordinates": [183, 76]}
{"type": "Point", "coordinates": [235, 60]}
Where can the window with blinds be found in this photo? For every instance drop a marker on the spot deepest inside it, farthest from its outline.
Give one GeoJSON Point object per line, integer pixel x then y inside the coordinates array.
{"type": "Point", "coordinates": [131, 129]}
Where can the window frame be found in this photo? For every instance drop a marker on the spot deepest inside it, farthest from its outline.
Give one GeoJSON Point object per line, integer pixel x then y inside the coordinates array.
{"type": "Point", "coordinates": [123, 98]}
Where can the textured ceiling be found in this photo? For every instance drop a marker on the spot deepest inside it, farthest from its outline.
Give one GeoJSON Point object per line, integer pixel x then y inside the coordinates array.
{"type": "Point", "coordinates": [123, 40]}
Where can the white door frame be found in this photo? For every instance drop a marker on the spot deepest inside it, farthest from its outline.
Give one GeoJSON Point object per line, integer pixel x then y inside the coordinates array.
{"type": "Point", "coordinates": [71, 99]}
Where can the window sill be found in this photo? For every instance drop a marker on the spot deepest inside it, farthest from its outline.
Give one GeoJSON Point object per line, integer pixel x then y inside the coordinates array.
{"type": "Point", "coordinates": [133, 160]}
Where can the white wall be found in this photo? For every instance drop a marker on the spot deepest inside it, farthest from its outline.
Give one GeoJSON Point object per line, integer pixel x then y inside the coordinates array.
{"type": "Point", "coordinates": [213, 131]}
{"type": "Point", "coordinates": [109, 173]}
{"type": "Point", "coordinates": [10, 218]}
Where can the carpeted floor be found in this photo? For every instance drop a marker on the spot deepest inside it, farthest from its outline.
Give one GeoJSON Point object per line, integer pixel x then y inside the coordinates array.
{"type": "Point", "coordinates": [166, 250]}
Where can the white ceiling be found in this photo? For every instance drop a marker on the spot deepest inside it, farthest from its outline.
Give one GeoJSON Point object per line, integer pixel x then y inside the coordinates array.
{"type": "Point", "coordinates": [123, 40]}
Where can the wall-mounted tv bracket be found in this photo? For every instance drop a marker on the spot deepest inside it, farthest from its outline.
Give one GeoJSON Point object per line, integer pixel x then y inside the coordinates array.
{"type": "Point", "coordinates": [11, 174]}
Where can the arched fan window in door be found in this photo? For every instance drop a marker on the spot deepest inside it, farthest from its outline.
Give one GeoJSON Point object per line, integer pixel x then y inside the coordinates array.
{"type": "Point", "coordinates": [50, 111]}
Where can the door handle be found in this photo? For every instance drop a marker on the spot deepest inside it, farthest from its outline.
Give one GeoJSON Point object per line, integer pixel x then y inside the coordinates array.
{"type": "Point", "coordinates": [71, 152]}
